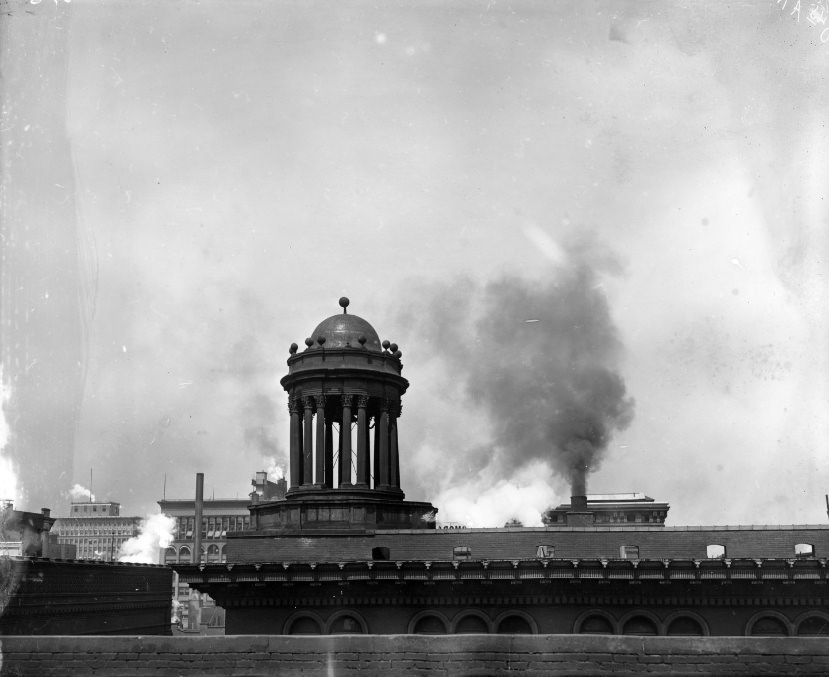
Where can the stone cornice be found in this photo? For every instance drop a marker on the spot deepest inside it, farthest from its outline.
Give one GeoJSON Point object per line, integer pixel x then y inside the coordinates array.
{"type": "Point", "coordinates": [505, 571]}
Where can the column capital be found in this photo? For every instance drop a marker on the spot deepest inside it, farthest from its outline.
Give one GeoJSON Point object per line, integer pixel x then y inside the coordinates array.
{"type": "Point", "coordinates": [347, 399]}
{"type": "Point", "coordinates": [320, 400]}
{"type": "Point", "coordinates": [308, 402]}
{"type": "Point", "coordinates": [293, 405]}
{"type": "Point", "coordinates": [386, 404]}
{"type": "Point", "coordinates": [362, 401]}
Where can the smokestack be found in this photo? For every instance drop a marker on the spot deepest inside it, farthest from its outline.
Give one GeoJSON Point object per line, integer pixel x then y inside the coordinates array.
{"type": "Point", "coordinates": [579, 516]}
{"type": "Point", "coordinates": [578, 501]}
{"type": "Point", "coordinates": [199, 511]}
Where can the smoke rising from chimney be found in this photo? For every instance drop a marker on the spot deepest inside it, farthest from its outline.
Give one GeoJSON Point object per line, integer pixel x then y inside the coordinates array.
{"type": "Point", "coordinates": [539, 360]}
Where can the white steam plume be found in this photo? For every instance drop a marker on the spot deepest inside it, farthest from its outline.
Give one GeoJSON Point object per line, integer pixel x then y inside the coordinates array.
{"type": "Point", "coordinates": [9, 489]}
{"type": "Point", "coordinates": [78, 493]}
{"type": "Point", "coordinates": [274, 469]}
{"type": "Point", "coordinates": [155, 535]}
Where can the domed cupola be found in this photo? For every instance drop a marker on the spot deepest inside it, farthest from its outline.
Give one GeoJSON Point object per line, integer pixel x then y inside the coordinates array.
{"type": "Point", "coordinates": [344, 399]}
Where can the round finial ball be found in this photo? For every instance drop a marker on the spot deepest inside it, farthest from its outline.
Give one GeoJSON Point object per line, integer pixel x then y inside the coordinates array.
{"type": "Point", "coordinates": [294, 347]}
{"type": "Point", "coordinates": [362, 340]}
{"type": "Point", "coordinates": [344, 302]}
{"type": "Point", "coordinates": [386, 345]}
{"type": "Point", "coordinates": [320, 339]}
{"type": "Point", "coordinates": [393, 347]}
{"type": "Point", "coordinates": [398, 354]}
{"type": "Point", "coordinates": [309, 342]}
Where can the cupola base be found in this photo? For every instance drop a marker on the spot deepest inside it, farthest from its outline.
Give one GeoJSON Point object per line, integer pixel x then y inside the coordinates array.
{"type": "Point", "coordinates": [314, 511]}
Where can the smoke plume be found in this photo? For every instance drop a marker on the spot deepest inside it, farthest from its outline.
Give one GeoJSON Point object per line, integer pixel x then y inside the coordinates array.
{"type": "Point", "coordinates": [539, 360]}
{"type": "Point", "coordinates": [156, 534]}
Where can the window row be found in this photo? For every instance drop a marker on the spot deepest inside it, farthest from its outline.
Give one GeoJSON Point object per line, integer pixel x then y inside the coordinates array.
{"type": "Point", "coordinates": [596, 622]}
{"type": "Point", "coordinates": [212, 527]}
{"type": "Point", "coordinates": [548, 551]}
{"type": "Point", "coordinates": [210, 554]}
{"type": "Point", "coordinates": [423, 623]}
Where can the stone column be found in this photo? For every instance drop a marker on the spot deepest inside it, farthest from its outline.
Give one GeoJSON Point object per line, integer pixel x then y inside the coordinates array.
{"type": "Point", "coordinates": [362, 441]}
{"type": "Point", "coordinates": [307, 439]}
{"type": "Point", "coordinates": [383, 476]}
{"type": "Point", "coordinates": [345, 442]}
{"type": "Point", "coordinates": [376, 452]}
{"type": "Point", "coordinates": [328, 478]}
{"type": "Point", "coordinates": [394, 414]}
{"type": "Point", "coordinates": [319, 457]}
{"type": "Point", "coordinates": [296, 443]}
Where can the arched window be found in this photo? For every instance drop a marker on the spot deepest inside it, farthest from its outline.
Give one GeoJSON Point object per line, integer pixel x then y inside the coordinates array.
{"type": "Point", "coordinates": [596, 625]}
{"type": "Point", "coordinates": [304, 625]}
{"type": "Point", "coordinates": [184, 554]}
{"type": "Point", "coordinates": [715, 551]}
{"type": "Point", "coordinates": [769, 626]}
{"type": "Point", "coordinates": [429, 624]}
{"type": "Point", "coordinates": [212, 553]}
{"type": "Point", "coordinates": [639, 625]}
{"type": "Point", "coordinates": [814, 626]}
{"type": "Point", "coordinates": [514, 625]}
{"type": "Point", "coordinates": [170, 555]}
{"type": "Point", "coordinates": [685, 626]}
{"type": "Point", "coordinates": [345, 625]}
{"type": "Point", "coordinates": [471, 624]}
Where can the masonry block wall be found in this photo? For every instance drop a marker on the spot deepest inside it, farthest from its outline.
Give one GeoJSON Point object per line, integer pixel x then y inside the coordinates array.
{"type": "Point", "coordinates": [461, 656]}
{"type": "Point", "coordinates": [567, 542]}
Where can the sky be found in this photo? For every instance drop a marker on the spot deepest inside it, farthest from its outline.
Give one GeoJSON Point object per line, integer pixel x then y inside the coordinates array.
{"type": "Point", "coordinates": [189, 187]}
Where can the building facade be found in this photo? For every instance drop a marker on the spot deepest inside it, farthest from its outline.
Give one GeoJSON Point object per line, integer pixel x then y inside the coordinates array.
{"type": "Point", "coordinates": [614, 510]}
{"type": "Point", "coordinates": [343, 552]}
{"type": "Point", "coordinates": [220, 517]}
{"type": "Point", "coordinates": [96, 529]}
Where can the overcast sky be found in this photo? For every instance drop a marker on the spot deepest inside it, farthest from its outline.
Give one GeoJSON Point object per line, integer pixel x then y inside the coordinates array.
{"type": "Point", "coordinates": [216, 175]}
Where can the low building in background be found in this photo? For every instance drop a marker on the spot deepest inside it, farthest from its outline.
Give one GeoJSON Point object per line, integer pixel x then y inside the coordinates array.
{"type": "Point", "coordinates": [614, 510]}
{"type": "Point", "coordinates": [30, 534]}
{"type": "Point", "coordinates": [96, 529]}
{"type": "Point", "coordinates": [41, 596]}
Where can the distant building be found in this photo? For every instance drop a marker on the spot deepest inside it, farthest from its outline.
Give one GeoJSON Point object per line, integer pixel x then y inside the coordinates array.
{"type": "Point", "coordinates": [97, 530]}
{"type": "Point", "coordinates": [620, 510]}
{"type": "Point", "coordinates": [220, 516]}
{"type": "Point", "coordinates": [29, 534]}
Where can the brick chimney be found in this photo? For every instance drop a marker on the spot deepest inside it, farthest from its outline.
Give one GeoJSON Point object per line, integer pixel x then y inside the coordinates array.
{"type": "Point", "coordinates": [579, 515]}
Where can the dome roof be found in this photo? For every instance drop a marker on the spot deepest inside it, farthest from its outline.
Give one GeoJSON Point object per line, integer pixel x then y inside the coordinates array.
{"type": "Point", "coordinates": [345, 330]}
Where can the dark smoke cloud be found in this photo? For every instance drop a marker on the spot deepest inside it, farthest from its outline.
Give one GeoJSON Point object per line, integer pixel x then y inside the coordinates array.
{"type": "Point", "coordinates": [538, 358]}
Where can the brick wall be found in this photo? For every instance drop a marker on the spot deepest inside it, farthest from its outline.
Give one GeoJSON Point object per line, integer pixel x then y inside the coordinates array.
{"type": "Point", "coordinates": [461, 655]}
{"type": "Point", "coordinates": [568, 543]}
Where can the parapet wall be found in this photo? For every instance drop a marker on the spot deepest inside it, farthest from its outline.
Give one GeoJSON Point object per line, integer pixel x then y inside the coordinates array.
{"type": "Point", "coordinates": [370, 655]}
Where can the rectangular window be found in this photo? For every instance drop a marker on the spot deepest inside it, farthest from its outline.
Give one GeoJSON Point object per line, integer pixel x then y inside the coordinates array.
{"type": "Point", "coordinates": [545, 551]}
{"type": "Point", "coordinates": [804, 550]}
{"type": "Point", "coordinates": [462, 552]}
{"type": "Point", "coordinates": [715, 551]}
{"type": "Point", "coordinates": [629, 552]}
